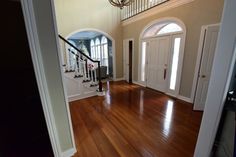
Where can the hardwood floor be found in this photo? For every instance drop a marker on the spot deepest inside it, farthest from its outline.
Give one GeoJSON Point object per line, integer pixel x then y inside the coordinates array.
{"type": "Point", "coordinates": [132, 121]}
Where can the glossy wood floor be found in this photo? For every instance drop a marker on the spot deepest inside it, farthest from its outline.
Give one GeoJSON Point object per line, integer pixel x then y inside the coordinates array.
{"type": "Point", "coordinates": [132, 121]}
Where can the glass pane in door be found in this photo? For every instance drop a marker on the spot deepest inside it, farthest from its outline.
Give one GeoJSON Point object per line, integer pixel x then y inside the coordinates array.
{"type": "Point", "coordinates": [174, 66]}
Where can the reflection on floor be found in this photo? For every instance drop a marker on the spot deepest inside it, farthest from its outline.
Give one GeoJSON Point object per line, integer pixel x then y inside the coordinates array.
{"type": "Point", "coordinates": [132, 121]}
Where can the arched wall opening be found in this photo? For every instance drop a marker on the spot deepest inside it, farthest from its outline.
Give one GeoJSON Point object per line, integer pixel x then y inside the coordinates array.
{"type": "Point", "coordinates": [95, 42]}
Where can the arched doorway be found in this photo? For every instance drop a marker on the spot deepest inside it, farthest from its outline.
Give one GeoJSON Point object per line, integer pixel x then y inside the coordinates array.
{"type": "Point", "coordinates": [161, 55]}
{"type": "Point", "coordinates": [98, 45]}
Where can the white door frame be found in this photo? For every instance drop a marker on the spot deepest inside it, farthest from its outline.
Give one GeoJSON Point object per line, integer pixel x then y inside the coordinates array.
{"type": "Point", "coordinates": [221, 74]}
{"type": "Point", "coordinates": [181, 55]}
{"type": "Point", "coordinates": [127, 40]}
{"type": "Point", "coordinates": [180, 65]}
{"type": "Point", "coordinates": [198, 61]}
{"type": "Point", "coordinates": [106, 35]}
{"type": "Point", "coordinates": [73, 150]}
{"type": "Point", "coordinates": [141, 39]}
{"type": "Point", "coordinates": [34, 44]}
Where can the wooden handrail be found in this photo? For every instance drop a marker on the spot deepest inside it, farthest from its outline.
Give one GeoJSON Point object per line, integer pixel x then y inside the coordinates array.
{"type": "Point", "coordinates": [66, 41]}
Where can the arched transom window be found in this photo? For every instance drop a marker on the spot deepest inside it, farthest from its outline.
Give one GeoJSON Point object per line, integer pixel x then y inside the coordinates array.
{"type": "Point", "coordinates": [163, 28]}
{"type": "Point", "coordinates": [169, 28]}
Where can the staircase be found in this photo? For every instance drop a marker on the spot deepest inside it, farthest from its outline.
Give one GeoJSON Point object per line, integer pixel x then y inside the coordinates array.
{"type": "Point", "coordinates": [81, 73]}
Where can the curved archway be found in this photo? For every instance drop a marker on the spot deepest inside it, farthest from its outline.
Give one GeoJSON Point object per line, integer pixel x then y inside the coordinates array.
{"type": "Point", "coordinates": [103, 34]}
{"type": "Point", "coordinates": [164, 21]}
{"type": "Point", "coordinates": [162, 47]}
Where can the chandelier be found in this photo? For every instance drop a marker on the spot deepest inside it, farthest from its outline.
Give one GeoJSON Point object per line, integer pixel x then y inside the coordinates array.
{"type": "Point", "coordinates": [120, 3]}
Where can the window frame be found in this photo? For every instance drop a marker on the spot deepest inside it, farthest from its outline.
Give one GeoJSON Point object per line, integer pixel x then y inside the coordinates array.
{"type": "Point", "coordinates": [99, 51]}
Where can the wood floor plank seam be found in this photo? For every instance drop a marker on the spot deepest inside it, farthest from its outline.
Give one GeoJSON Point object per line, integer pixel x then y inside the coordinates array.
{"type": "Point", "coordinates": [132, 121]}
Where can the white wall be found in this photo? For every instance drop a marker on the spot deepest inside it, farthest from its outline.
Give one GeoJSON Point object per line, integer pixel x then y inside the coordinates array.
{"type": "Point", "coordinates": [219, 82]}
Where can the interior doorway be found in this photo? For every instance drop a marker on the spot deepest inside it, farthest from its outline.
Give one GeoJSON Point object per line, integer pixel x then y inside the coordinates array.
{"type": "Point", "coordinates": [128, 47]}
{"type": "Point", "coordinates": [161, 57]}
{"type": "Point", "coordinates": [96, 44]}
{"type": "Point", "coordinates": [24, 130]}
{"type": "Point", "coordinates": [207, 48]}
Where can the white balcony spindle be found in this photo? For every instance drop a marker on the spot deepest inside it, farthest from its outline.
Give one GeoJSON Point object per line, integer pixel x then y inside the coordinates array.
{"type": "Point", "coordinates": [76, 69]}
{"type": "Point", "coordinates": [92, 78]}
{"type": "Point", "coordinates": [95, 76]}
{"type": "Point", "coordinates": [84, 71]}
{"type": "Point", "coordinates": [139, 6]}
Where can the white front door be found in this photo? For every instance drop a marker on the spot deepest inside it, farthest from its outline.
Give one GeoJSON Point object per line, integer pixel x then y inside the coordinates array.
{"type": "Point", "coordinates": [208, 52]}
{"type": "Point", "coordinates": [157, 55]}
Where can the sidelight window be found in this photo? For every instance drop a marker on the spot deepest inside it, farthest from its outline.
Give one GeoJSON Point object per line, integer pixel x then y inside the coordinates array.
{"type": "Point", "coordinates": [143, 60]}
{"type": "Point", "coordinates": [175, 60]}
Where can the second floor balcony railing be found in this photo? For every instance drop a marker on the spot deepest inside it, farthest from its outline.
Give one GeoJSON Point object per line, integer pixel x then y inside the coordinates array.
{"type": "Point", "coordinates": [139, 6]}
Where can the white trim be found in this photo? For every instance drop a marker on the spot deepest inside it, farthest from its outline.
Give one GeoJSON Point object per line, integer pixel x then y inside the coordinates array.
{"type": "Point", "coordinates": [163, 7]}
{"type": "Point", "coordinates": [181, 57]}
{"type": "Point", "coordinates": [109, 37]}
{"type": "Point", "coordinates": [137, 83]}
{"type": "Point", "coordinates": [102, 93]}
{"type": "Point", "coordinates": [62, 75]}
{"type": "Point", "coordinates": [129, 39]}
{"type": "Point", "coordinates": [69, 153]}
{"type": "Point", "coordinates": [31, 28]}
{"type": "Point", "coordinates": [180, 97]}
{"type": "Point", "coordinates": [198, 61]}
{"type": "Point", "coordinates": [180, 64]}
{"type": "Point", "coordinates": [186, 99]}
{"type": "Point", "coordinates": [119, 79]}
{"type": "Point", "coordinates": [221, 75]}
{"type": "Point", "coordinates": [223, 92]}
{"type": "Point", "coordinates": [144, 83]}
{"type": "Point", "coordinates": [81, 96]}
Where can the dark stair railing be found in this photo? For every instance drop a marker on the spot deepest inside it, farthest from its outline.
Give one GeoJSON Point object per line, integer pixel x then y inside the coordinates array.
{"type": "Point", "coordinates": [88, 58]}
{"type": "Point", "coordinates": [139, 6]}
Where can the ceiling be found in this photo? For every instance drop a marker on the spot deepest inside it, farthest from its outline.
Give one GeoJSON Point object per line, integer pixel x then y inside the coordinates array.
{"type": "Point", "coordinates": [85, 35]}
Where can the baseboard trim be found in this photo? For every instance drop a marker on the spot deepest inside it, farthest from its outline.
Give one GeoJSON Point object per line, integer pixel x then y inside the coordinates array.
{"type": "Point", "coordinates": [198, 108]}
{"type": "Point", "coordinates": [119, 79]}
{"type": "Point", "coordinates": [81, 96]}
{"type": "Point", "coordinates": [69, 152]}
{"type": "Point", "coordinates": [189, 100]}
{"type": "Point", "coordinates": [137, 83]}
{"type": "Point", "coordinates": [180, 97]}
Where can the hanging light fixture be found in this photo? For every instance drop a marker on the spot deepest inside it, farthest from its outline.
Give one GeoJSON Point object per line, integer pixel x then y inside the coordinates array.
{"type": "Point", "coordinates": [120, 3]}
